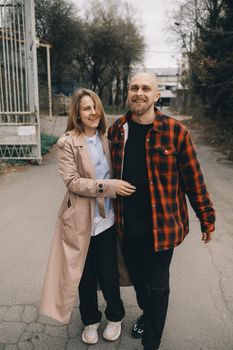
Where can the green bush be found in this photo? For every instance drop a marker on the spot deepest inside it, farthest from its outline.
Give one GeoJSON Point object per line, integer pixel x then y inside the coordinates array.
{"type": "Point", "coordinates": [47, 141]}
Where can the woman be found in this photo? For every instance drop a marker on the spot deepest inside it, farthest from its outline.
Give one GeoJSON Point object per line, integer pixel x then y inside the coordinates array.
{"type": "Point", "coordinates": [84, 246]}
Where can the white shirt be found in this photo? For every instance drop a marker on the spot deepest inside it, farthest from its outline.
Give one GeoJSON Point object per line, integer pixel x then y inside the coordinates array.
{"type": "Point", "coordinates": [101, 166]}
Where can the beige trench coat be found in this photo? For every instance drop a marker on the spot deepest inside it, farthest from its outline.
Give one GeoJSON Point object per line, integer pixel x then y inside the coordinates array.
{"type": "Point", "coordinates": [73, 227]}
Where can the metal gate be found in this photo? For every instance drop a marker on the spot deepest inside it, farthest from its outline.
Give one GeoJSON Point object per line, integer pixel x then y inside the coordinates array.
{"type": "Point", "coordinates": [19, 104]}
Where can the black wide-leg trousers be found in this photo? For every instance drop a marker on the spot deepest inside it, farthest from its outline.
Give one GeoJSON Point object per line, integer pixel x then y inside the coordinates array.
{"type": "Point", "coordinates": [101, 266]}
{"type": "Point", "coordinates": [149, 271]}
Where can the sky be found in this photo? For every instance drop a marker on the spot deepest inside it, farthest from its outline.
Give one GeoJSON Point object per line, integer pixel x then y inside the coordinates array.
{"type": "Point", "coordinates": [153, 16]}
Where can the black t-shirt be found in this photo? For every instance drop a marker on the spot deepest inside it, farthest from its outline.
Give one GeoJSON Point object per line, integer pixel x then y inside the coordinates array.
{"type": "Point", "coordinates": [137, 207]}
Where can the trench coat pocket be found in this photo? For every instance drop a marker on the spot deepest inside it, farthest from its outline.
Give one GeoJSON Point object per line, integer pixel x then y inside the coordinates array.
{"type": "Point", "coordinates": [69, 229]}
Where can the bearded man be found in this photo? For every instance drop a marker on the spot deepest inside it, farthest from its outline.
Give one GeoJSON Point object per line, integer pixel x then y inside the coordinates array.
{"type": "Point", "coordinates": [155, 153]}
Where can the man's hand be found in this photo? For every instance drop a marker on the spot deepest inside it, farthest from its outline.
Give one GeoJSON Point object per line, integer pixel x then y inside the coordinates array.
{"type": "Point", "coordinates": [206, 237]}
{"type": "Point", "coordinates": [124, 188]}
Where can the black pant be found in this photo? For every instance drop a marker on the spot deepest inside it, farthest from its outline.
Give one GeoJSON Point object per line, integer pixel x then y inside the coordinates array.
{"type": "Point", "coordinates": [149, 271]}
{"type": "Point", "coordinates": [101, 266]}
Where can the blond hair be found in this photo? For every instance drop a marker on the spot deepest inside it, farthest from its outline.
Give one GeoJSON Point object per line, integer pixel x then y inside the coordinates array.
{"type": "Point", "coordinates": [74, 122]}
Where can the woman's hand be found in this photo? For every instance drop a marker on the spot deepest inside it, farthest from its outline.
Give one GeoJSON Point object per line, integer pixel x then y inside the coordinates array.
{"type": "Point", "coordinates": [124, 188]}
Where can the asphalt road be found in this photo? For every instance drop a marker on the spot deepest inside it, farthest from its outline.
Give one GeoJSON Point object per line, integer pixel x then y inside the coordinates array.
{"type": "Point", "coordinates": [200, 315]}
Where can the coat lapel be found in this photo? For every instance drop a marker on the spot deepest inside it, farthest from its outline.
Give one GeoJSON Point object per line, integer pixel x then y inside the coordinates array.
{"type": "Point", "coordinates": [88, 167]}
{"type": "Point", "coordinates": [79, 142]}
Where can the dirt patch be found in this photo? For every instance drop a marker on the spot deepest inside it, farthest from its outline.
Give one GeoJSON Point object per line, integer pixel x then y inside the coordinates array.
{"type": "Point", "coordinates": [215, 133]}
{"type": "Point", "coordinates": [6, 168]}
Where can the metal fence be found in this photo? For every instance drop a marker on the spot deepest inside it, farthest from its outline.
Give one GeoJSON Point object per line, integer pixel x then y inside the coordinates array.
{"type": "Point", "coordinates": [19, 105]}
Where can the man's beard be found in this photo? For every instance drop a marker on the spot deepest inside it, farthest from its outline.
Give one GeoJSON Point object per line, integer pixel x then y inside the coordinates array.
{"type": "Point", "coordinates": [137, 109]}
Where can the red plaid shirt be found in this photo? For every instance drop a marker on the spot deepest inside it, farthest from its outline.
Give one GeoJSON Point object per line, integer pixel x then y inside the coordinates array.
{"type": "Point", "coordinates": [173, 172]}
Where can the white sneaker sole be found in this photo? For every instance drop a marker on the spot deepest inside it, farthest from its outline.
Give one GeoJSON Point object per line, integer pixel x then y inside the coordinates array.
{"type": "Point", "coordinates": [112, 339]}
{"type": "Point", "coordinates": [85, 341]}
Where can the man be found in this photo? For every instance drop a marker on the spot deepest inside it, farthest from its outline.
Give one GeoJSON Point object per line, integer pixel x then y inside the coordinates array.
{"type": "Point", "coordinates": [155, 153]}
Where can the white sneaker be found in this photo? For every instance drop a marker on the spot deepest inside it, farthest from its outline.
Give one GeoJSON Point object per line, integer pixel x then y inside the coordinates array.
{"type": "Point", "coordinates": [90, 335]}
{"type": "Point", "coordinates": [112, 331]}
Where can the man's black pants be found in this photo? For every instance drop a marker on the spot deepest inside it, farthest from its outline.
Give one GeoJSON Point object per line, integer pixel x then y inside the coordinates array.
{"type": "Point", "coordinates": [149, 271]}
{"type": "Point", "coordinates": [101, 266]}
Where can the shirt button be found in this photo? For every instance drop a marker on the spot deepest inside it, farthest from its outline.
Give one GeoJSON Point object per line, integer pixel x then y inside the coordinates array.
{"type": "Point", "coordinates": [101, 191]}
{"type": "Point", "coordinates": [153, 205]}
{"type": "Point", "coordinates": [149, 161]}
{"type": "Point", "coordinates": [151, 182]}
{"type": "Point", "coordinates": [67, 134]}
{"type": "Point", "coordinates": [122, 133]}
{"type": "Point", "coordinates": [166, 151]}
{"type": "Point", "coordinates": [100, 185]}
{"type": "Point", "coordinates": [147, 140]}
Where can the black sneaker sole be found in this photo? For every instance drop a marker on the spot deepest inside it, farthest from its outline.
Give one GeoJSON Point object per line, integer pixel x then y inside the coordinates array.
{"type": "Point", "coordinates": [137, 331]}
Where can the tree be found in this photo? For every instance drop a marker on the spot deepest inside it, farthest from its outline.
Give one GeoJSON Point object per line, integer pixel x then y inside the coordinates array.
{"type": "Point", "coordinates": [57, 24]}
{"type": "Point", "coordinates": [210, 69]}
{"type": "Point", "coordinates": [111, 46]}
{"type": "Point", "coordinates": [97, 51]}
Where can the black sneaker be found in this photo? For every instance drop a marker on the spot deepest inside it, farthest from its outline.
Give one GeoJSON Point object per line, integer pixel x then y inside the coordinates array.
{"type": "Point", "coordinates": [137, 330]}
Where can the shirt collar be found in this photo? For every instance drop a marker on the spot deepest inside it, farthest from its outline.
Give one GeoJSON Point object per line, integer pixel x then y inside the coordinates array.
{"type": "Point", "coordinates": [158, 122]}
{"type": "Point", "coordinates": [92, 139]}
